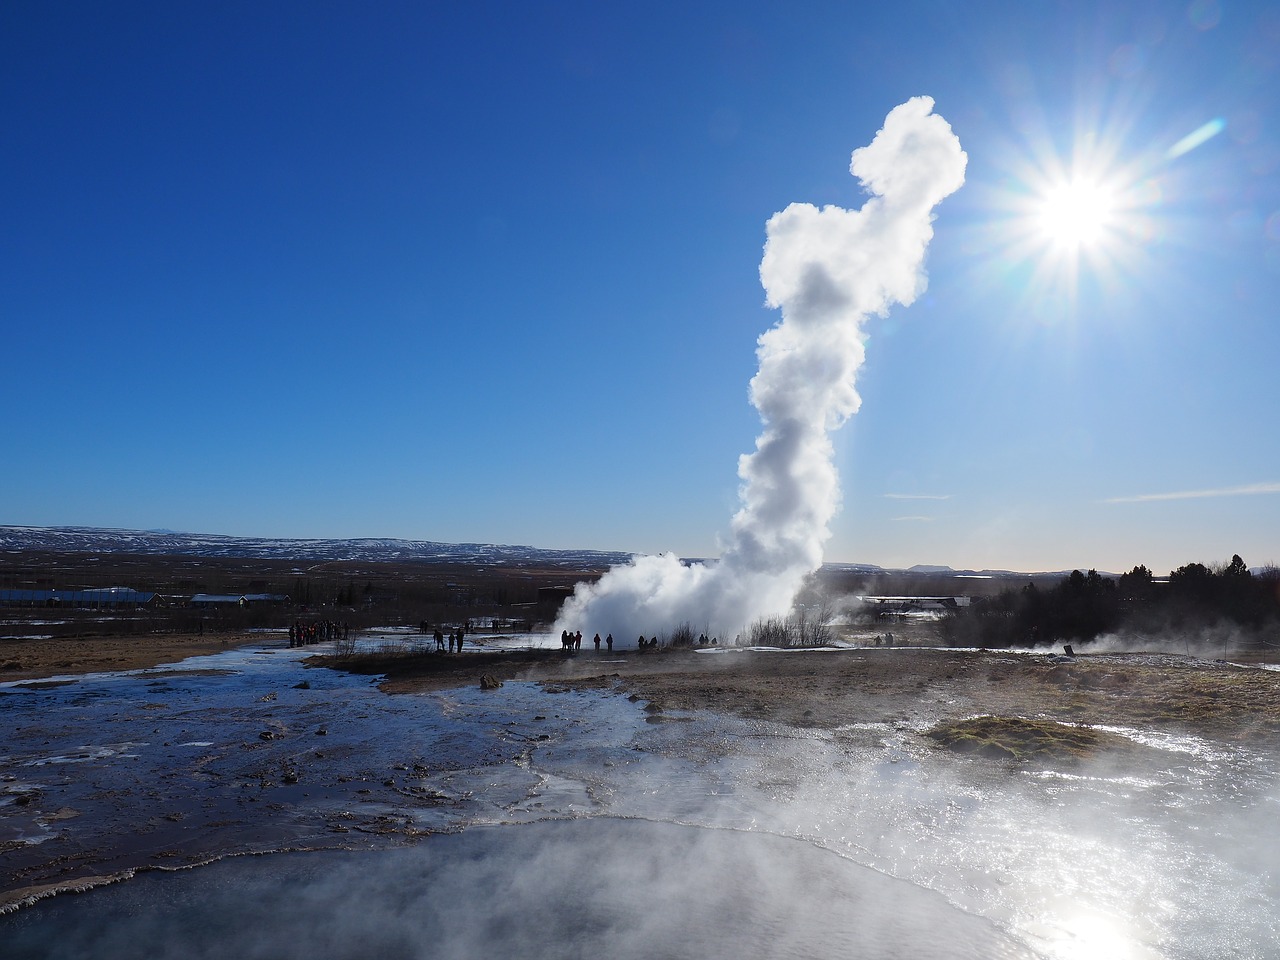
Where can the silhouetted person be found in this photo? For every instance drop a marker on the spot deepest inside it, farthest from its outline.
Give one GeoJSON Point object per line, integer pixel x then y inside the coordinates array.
{"type": "Point", "coordinates": [609, 641]}
{"type": "Point", "coordinates": [596, 641]}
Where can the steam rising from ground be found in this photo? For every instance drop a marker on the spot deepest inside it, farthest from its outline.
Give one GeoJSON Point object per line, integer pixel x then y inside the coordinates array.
{"type": "Point", "coordinates": [597, 888]}
{"type": "Point", "coordinates": [828, 270]}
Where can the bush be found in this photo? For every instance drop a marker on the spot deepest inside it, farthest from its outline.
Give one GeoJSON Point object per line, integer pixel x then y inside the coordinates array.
{"type": "Point", "coordinates": [810, 626]}
{"type": "Point", "coordinates": [345, 647]}
{"type": "Point", "coordinates": [682, 636]}
{"type": "Point", "coordinates": [769, 632]}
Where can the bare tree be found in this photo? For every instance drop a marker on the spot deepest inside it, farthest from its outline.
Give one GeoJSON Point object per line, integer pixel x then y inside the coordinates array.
{"type": "Point", "coordinates": [810, 623]}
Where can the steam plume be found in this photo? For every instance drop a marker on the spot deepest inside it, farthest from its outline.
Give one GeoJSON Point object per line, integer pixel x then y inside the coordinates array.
{"type": "Point", "coordinates": [828, 270]}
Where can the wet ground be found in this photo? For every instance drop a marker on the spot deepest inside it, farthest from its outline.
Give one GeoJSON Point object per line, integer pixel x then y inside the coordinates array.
{"type": "Point", "coordinates": [250, 751]}
{"type": "Point", "coordinates": [1166, 852]}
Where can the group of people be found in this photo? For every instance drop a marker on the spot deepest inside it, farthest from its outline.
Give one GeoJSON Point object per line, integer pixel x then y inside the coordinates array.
{"type": "Point", "coordinates": [454, 638]}
{"type": "Point", "coordinates": [573, 641]}
{"type": "Point", "coordinates": [652, 643]}
{"type": "Point", "coordinates": [301, 634]}
{"type": "Point", "coordinates": [451, 641]}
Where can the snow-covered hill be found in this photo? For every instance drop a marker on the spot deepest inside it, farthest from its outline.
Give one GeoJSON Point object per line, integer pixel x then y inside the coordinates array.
{"type": "Point", "coordinates": [168, 543]}
{"type": "Point", "coordinates": [102, 540]}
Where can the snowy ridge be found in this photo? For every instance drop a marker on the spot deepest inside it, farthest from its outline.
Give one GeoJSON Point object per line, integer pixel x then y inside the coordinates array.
{"type": "Point", "coordinates": [17, 539]}
{"type": "Point", "coordinates": [168, 543]}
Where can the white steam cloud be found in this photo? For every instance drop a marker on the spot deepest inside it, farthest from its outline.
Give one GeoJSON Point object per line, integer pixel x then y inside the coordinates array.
{"type": "Point", "coordinates": [828, 270]}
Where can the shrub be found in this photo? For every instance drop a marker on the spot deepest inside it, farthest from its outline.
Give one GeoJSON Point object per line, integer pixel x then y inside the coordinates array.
{"type": "Point", "coordinates": [345, 647]}
{"type": "Point", "coordinates": [682, 636]}
{"type": "Point", "coordinates": [769, 632]}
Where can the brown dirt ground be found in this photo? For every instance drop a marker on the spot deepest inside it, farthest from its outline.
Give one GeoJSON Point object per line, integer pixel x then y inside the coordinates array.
{"type": "Point", "coordinates": [37, 658]}
{"type": "Point", "coordinates": [828, 689]}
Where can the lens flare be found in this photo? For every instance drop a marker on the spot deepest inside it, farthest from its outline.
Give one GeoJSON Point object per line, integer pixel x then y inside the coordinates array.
{"type": "Point", "coordinates": [1077, 214]}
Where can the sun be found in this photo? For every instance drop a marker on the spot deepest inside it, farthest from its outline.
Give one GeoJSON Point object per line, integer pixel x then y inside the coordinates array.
{"type": "Point", "coordinates": [1077, 213]}
{"type": "Point", "coordinates": [1061, 229]}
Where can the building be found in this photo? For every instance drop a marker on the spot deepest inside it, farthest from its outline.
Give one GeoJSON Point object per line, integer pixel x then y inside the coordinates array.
{"type": "Point", "coordinates": [102, 598]}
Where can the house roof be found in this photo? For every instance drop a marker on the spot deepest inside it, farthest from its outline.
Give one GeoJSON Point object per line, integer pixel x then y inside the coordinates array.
{"type": "Point", "coordinates": [102, 595]}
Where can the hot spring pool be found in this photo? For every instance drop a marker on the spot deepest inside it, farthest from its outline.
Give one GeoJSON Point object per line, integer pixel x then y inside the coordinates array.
{"type": "Point", "coordinates": [590, 888]}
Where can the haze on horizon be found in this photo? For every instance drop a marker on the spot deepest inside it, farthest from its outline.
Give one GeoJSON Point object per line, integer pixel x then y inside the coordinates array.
{"type": "Point", "coordinates": [487, 275]}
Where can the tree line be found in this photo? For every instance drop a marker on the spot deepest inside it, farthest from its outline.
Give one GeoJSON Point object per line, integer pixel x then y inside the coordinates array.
{"type": "Point", "coordinates": [1195, 601]}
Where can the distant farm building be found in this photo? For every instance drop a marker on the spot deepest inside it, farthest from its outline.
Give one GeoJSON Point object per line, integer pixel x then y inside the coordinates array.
{"type": "Point", "coordinates": [206, 600]}
{"type": "Point", "coordinates": [219, 600]}
{"type": "Point", "coordinates": [894, 607]}
{"type": "Point", "coordinates": [554, 595]}
{"type": "Point", "coordinates": [266, 599]}
{"type": "Point", "coordinates": [103, 598]}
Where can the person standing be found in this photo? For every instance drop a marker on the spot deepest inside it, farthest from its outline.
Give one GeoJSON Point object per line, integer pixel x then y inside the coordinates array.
{"type": "Point", "coordinates": [609, 642]}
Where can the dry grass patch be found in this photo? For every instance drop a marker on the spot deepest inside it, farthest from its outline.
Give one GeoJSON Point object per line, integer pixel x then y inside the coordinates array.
{"type": "Point", "coordinates": [1209, 698]}
{"type": "Point", "coordinates": [1018, 738]}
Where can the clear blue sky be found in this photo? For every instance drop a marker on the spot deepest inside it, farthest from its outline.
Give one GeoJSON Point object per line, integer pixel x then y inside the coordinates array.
{"type": "Point", "coordinates": [489, 272]}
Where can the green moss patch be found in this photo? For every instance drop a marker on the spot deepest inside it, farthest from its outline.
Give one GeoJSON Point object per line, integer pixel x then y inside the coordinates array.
{"type": "Point", "coordinates": [1017, 738]}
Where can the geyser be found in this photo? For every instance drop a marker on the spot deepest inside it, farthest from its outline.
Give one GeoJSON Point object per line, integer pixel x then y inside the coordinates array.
{"type": "Point", "coordinates": [828, 270]}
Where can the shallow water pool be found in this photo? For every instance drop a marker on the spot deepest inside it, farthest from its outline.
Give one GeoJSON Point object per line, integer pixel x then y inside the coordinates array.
{"type": "Point", "coordinates": [573, 888]}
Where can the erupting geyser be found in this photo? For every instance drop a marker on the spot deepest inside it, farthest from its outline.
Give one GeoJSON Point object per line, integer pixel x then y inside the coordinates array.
{"type": "Point", "coordinates": [828, 270]}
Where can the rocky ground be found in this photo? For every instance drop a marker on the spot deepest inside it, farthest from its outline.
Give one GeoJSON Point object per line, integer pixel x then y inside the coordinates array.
{"type": "Point", "coordinates": [1227, 700]}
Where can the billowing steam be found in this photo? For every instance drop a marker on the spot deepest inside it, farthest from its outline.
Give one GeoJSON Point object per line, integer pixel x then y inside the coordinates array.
{"type": "Point", "coordinates": [828, 270]}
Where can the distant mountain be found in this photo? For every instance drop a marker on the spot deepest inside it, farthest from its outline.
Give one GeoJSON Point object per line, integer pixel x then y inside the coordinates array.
{"type": "Point", "coordinates": [168, 543]}
{"type": "Point", "coordinates": [855, 567]}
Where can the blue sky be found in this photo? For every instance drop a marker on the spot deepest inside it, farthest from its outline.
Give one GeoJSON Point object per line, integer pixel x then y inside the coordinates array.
{"type": "Point", "coordinates": [489, 272]}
